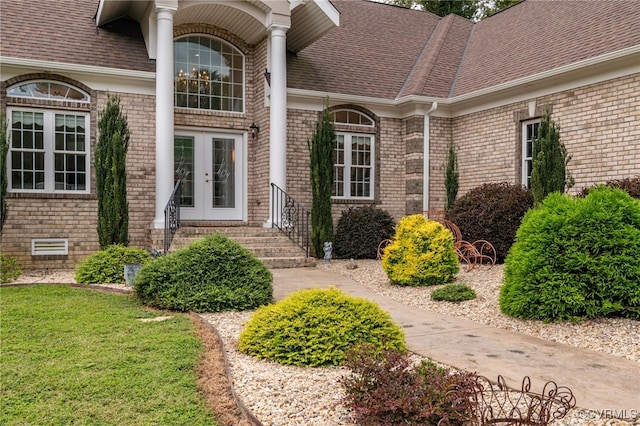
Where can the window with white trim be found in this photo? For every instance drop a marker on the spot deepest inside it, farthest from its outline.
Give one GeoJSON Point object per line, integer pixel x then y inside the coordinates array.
{"type": "Point", "coordinates": [353, 156]}
{"type": "Point", "coordinates": [208, 74]}
{"type": "Point", "coordinates": [48, 151]}
{"type": "Point", "coordinates": [529, 134]}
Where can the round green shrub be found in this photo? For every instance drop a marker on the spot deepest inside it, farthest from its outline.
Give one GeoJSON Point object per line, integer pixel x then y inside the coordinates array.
{"type": "Point", "coordinates": [10, 269]}
{"type": "Point", "coordinates": [317, 327]}
{"type": "Point", "coordinates": [492, 212]}
{"type": "Point", "coordinates": [210, 275]}
{"type": "Point", "coordinates": [107, 266]}
{"type": "Point", "coordinates": [360, 230]}
{"type": "Point", "coordinates": [453, 293]}
{"type": "Point", "coordinates": [421, 253]}
{"type": "Point", "coordinates": [576, 258]}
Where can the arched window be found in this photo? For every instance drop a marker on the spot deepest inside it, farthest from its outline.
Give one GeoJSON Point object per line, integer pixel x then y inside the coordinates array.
{"type": "Point", "coordinates": [353, 156]}
{"type": "Point", "coordinates": [48, 147]}
{"type": "Point", "coordinates": [208, 74]}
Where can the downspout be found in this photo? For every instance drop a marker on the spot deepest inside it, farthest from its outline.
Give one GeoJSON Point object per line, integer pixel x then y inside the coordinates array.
{"type": "Point", "coordinates": [425, 167]}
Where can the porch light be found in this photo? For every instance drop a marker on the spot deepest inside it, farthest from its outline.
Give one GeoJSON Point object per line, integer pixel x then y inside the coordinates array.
{"type": "Point", "coordinates": [255, 129]}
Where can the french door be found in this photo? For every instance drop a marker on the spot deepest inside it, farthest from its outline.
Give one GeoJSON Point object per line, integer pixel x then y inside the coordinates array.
{"type": "Point", "coordinates": [212, 168]}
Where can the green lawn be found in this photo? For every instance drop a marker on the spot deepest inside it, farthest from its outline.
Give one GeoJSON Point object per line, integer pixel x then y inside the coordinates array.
{"type": "Point", "coordinates": [75, 356]}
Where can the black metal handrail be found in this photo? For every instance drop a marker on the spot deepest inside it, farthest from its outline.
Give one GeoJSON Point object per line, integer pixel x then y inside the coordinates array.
{"type": "Point", "coordinates": [172, 216]}
{"type": "Point", "coordinates": [290, 217]}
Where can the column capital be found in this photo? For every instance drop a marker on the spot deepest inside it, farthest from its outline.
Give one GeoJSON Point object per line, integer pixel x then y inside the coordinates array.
{"type": "Point", "coordinates": [169, 6]}
{"type": "Point", "coordinates": [278, 28]}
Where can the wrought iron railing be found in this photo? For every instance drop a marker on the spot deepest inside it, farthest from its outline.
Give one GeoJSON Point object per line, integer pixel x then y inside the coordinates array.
{"type": "Point", "coordinates": [172, 216]}
{"type": "Point", "coordinates": [290, 217]}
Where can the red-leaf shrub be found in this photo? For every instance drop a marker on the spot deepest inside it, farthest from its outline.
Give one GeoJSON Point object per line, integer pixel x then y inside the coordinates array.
{"type": "Point", "coordinates": [386, 388]}
{"type": "Point", "coordinates": [630, 185]}
{"type": "Point", "coordinates": [492, 212]}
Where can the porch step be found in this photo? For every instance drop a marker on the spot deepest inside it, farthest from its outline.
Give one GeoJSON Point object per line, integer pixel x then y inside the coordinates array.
{"type": "Point", "coordinates": [267, 244]}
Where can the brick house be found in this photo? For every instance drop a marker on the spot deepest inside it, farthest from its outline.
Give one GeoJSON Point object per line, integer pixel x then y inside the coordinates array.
{"type": "Point", "coordinates": [230, 91]}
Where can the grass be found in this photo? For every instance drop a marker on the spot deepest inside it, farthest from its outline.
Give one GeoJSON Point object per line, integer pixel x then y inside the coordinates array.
{"type": "Point", "coordinates": [75, 356]}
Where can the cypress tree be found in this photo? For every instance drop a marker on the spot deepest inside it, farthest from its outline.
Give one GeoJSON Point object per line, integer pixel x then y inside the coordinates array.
{"type": "Point", "coordinates": [451, 177]}
{"type": "Point", "coordinates": [111, 175]}
{"type": "Point", "coordinates": [549, 169]}
{"type": "Point", "coordinates": [4, 148]}
{"type": "Point", "coordinates": [322, 145]}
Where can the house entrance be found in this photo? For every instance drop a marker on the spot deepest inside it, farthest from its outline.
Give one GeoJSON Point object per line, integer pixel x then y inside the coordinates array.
{"type": "Point", "coordinates": [211, 165]}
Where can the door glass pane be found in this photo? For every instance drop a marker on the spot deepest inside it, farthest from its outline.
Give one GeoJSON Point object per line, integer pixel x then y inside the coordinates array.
{"type": "Point", "coordinates": [183, 167]}
{"type": "Point", "coordinates": [223, 191]}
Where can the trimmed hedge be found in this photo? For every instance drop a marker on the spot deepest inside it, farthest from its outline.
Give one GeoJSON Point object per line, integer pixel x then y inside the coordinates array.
{"type": "Point", "coordinates": [576, 258]}
{"type": "Point", "coordinates": [492, 212]}
{"type": "Point", "coordinates": [360, 230]}
{"type": "Point", "coordinates": [107, 265]}
{"type": "Point", "coordinates": [210, 275]}
{"type": "Point", "coordinates": [10, 269]}
{"type": "Point", "coordinates": [421, 253]}
{"type": "Point", "coordinates": [318, 327]}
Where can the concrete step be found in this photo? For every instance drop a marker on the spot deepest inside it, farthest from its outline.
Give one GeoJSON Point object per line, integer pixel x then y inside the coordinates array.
{"type": "Point", "coordinates": [268, 244]}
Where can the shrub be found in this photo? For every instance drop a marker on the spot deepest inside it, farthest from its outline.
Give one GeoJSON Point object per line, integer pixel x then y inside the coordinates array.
{"type": "Point", "coordinates": [360, 230]}
{"type": "Point", "coordinates": [576, 258]}
{"type": "Point", "coordinates": [453, 293]}
{"type": "Point", "coordinates": [492, 212]}
{"type": "Point", "coordinates": [10, 269]}
{"type": "Point", "coordinates": [630, 185]}
{"type": "Point", "coordinates": [387, 389]}
{"type": "Point", "coordinates": [210, 275]}
{"type": "Point", "coordinates": [318, 327]}
{"type": "Point", "coordinates": [107, 266]}
{"type": "Point", "coordinates": [421, 253]}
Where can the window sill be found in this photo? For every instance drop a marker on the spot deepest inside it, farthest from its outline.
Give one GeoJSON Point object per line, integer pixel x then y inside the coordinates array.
{"type": "Point", "coordinates": [47, 195]}
{"type": "Point", "coordinates": [353, 201]}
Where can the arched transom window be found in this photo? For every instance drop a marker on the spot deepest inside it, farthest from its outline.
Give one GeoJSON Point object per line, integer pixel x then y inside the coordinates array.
{"type": "Point", "coordinates": [353, 156]}
{"type": "Point", "coordinates": [48, 90]}
{"type": "Point", "coordinates": [208, 74]}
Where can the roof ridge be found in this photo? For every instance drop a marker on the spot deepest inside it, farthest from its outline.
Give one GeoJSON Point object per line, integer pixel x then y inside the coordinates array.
{"type": "Point", "coordinates": [425, 62]}
{"type": "Point", "coordinates": [466, 47]}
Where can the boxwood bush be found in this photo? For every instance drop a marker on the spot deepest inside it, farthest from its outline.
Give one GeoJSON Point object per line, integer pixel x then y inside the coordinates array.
{"type": "Point", "coordinates": [107, 265]}
{"type": "Point", "coordinates": [421, 253]}
{"type": "Point", "coordinates": [360, 230]}
{"type": "Point", "coordinates": [317, 327]}
{"type": "Point", "coordinates": [210, 275]}
{"type": "Point", "coordinates": [453, 293]}
{"type": "Point", "coordinates": [492, 212]}
{"type": "Point", "coordinates": [576, 258]}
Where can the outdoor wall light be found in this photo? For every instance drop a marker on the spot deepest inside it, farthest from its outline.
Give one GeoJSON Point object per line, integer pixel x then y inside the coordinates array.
{"type": "Point", "coordinates": [267, 76]}
{"type": "Point", "coordinates": [255, 129]}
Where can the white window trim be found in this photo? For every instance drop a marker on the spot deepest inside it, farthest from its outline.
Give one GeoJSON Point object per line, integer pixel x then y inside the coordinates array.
{"type": "Point", "coordinates": [523, 145]}
{"type": "Point", "coordinates": [348, 164]}
{"type": "Point", "coordinates": [244, 74]}
{"type": "Point", "coordinates": [24, 83]}
{"type": "Point", "coordinates": [49, 149]}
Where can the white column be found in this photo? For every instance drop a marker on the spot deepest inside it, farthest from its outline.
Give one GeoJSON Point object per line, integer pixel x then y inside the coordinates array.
{"type": "Point", "coordinates": [278, 118]}
{"type": "Point", "coordinates": [164, 112]}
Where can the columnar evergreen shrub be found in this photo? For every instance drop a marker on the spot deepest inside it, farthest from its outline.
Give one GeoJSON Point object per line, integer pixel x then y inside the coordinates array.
{"type": "Point", "coordinates": [111, 175]}
{"type": "Point", "coordinates": [322, 145]}
{"type": "Point", "coordinates": [421, 253]}
{"type": "Point", "coordinates": [107, 265]}
{"type": "Point", "coordinates": [549, 169]}
{"type": "Point", "coordinates": [210, 275]}
{"type": "Point", "coordinates": [318, 327]}
{"type": "Point", "coordinates": [451, 177]}
{"type": "Point", "coordinates": [386, 388]}
{"type": "Point", "coordinates": [360, 231]}
{"type": "Point", "coordinates": [576, 258]}
{"type": "Point", "coordinates": [4, 148]}
{"type": "Point", "coordinates": [492, 212]}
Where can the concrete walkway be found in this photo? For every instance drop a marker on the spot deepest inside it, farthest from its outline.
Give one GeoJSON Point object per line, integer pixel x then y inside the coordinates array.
{"type": "Point", "coordinates": [598, 381]}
